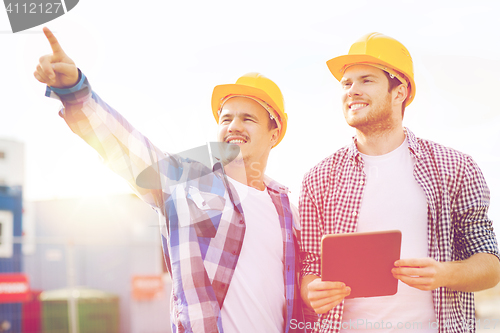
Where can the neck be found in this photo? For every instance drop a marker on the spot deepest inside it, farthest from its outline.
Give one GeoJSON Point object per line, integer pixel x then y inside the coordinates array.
{"type": "Point", "coordinates": [250, 174]}
{"type": "Point", "coordinates": [380, 143]}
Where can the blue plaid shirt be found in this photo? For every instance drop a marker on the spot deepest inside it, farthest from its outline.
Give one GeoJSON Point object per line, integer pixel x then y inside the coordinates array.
{"type": "Point", "coordinates": [202, 221]}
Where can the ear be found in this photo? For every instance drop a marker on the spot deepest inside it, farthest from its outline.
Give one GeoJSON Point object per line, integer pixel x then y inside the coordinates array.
{"type": "Point", "coordinates": [399, 94]}
{"type": "Point", "coordinates": [275, 134]}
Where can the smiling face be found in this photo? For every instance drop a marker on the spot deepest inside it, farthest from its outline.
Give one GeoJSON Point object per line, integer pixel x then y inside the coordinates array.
{"type": "Point", "coordinates": [367, 104]}
{"type": "Point", "coordinates": [245, 123]}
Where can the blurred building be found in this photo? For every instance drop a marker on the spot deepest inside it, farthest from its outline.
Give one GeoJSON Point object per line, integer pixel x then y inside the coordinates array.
{"type": "Point", "coordinates": [106, 243]}
{"type": "Point", "coordinates": [11, 163]}
{"type": "Point", "coordinates": [103, 245]}
{"type": "Point", "coordinates": [14, 284]}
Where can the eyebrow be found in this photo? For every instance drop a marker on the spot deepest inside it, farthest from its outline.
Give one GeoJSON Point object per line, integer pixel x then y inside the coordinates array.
{"type": "Point", "coordinates": [249, 115]}
{"type": "Point", "coordinates": [368, 75]}
{"type": "Point", "coordinates": [361, 77]}
{"type": "Point", "coordinates": [243, 115]}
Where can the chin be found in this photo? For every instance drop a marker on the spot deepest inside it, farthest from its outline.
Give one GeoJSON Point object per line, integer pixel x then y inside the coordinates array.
{"type": "Point", "coordinates": [353, 122]}
{"type": "Point", "coordinates": [238, 161]}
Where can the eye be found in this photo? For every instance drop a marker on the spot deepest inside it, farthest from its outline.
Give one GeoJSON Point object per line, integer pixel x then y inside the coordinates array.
{"type": "Point", "coordinates": [346, 85]}
{"type": "Point", "coordinates": [367, 81]}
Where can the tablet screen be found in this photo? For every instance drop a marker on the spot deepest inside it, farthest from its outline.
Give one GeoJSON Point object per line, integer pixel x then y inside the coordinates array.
{"type": "Point", "coordinates": [363, 261]}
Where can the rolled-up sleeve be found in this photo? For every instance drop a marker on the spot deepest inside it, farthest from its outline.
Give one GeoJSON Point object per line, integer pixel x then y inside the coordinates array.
{"type": "Point", "coordinates": [473, 227]}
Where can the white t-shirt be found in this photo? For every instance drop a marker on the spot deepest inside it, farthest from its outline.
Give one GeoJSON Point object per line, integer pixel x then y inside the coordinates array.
{"type": "Point", "coordinates": [255, 300]}
{"type": "Point", "coordinates": [392, 199]}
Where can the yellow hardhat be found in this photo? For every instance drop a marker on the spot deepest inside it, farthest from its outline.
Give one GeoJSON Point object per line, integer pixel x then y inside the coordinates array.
{"type": "Point", "coordinates": [381, 51]}
{"type": "Point", "coordinates": [259, 88]}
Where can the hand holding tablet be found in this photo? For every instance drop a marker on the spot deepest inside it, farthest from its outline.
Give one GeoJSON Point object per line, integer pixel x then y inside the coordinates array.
{"type": "Point", "coordinates": [363, 261]}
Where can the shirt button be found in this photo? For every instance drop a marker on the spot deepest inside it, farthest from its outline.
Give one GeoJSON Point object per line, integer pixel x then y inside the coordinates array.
{"type": "Point", "coordinates": [241, 221]}
{"type": "Point", "coordinates": [354, 213]}
{"type": "Point", "coordinates": [223, 286]}
{"type": "Point", "coordinates": [234, 252]}
{"type": "Point", "coordinates": [336, 316]}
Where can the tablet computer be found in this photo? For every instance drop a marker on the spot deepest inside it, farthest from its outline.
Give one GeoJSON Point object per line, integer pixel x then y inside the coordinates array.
{"type": "Point", "coordinates": [362, 260]}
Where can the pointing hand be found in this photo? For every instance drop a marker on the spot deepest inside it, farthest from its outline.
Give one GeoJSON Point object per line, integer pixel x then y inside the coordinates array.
{"type": "Point", "coordinates": [57, 69]}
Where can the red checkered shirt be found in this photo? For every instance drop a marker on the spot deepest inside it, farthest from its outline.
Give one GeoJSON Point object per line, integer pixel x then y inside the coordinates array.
{"type": "Point", "coordinates": [458, 225]}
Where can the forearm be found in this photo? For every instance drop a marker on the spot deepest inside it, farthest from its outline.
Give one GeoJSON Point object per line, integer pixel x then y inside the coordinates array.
{"type": "Point", "coordinates": [474, 235]}
{"type": "Point", "coordinates": [473, 231]}
{"type": "Point", "coordinates": [123, 149]}
{"type": "Point", "coordinates": [480, 271]}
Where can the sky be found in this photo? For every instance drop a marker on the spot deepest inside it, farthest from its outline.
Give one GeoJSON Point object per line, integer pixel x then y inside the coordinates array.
{"type": "Point", "coordinates": [157, 62]}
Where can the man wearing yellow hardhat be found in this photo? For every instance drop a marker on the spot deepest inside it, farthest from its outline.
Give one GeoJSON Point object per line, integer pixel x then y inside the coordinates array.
{"type": "Point", "coordinates": [228, 231]}
{"type": "Point", "coordinates": [390, 179]}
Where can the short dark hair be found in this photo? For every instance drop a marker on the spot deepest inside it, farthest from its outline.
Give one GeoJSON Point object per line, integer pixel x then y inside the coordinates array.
{"type": "Point", "coordinates": [393, 84]}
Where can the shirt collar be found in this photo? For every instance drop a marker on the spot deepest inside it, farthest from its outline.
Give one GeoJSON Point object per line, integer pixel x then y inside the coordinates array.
{"type": "Point", "coordinates": [268, 181]}
{"type": "Point", "coordinates": [413, 146]}
{"type": "Point", "coordinates": [274, 185]}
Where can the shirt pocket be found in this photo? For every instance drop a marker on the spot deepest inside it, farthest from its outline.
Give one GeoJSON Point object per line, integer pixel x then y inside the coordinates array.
{"type": "Point", "coordinates": [205, 210]}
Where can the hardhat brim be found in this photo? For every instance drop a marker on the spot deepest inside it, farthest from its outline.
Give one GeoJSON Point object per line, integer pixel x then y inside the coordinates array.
{"type": "Point", "coordinates": [337, 67]}
{"type": "Point", "coordinates": [222, 91]}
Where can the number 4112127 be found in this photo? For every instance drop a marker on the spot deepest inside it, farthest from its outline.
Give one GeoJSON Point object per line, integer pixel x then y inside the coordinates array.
{"type": "Point", "coordinates": [33, 8]}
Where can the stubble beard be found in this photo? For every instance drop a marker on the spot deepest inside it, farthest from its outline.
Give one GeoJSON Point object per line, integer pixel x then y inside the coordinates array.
{"type": "Point", "coordinates": [377, 122]}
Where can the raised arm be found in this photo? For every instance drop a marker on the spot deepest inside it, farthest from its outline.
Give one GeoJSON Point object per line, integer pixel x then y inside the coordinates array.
{"type": "Point", "coordinates": [124, 149]}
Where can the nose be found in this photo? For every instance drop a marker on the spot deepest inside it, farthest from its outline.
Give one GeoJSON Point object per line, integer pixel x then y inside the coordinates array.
{"type": "Point", "coordinates": [236, 125]}
{"type": "Point", "coordinates": [353, 90]}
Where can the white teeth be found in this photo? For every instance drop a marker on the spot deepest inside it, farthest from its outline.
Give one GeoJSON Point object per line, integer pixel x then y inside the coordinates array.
{"type": "Point", "coordinates": [236, 141]}
{"type": "Point", "coordinates": [358, 106]}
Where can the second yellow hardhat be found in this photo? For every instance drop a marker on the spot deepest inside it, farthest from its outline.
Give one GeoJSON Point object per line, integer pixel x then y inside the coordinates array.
{"type": "Point", "coordinates": [255, 86]}
{"type": "Point", "coordinates": [382, 52]}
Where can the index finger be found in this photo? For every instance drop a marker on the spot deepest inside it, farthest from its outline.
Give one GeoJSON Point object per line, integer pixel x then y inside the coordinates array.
{"type": "Point", "coordinates": [327, 285]}
{"type": "Point", "coordinates": [54, 44]}
{"type": "Point", "coordinates": [413, 262]}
